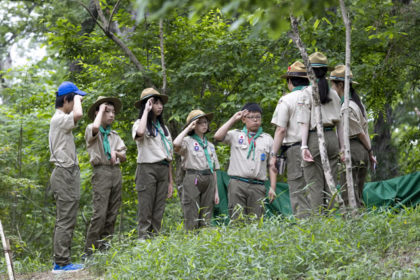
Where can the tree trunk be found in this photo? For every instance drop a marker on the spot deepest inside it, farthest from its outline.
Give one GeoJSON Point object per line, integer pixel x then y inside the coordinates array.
{"type": "Point", "coordinates": [387, 154]}
{"type": "Point", "coordinates": [347, 153]}
{"type": "Point", "coordinates": [317, 108]}
{"type": "Point", "coordinates": [162, 57]}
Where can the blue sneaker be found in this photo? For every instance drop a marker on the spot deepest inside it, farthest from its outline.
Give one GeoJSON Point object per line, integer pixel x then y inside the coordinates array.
{"type": "Point", "coordinates": [66, 268]}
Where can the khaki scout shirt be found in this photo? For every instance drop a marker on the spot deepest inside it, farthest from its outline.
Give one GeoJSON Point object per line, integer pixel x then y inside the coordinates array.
{"type": "Point", "coordinates": [193, 156]}
{"type": "Point", "coordinates": [241, 166]}
{"type": "Point", "coordinates": [330, 112]}
{"type": "Point", "coordinates": [357, 122]}
{"type": "Point", "coordinates": [95, 146]}
{"type": "Point", "coordinates": [151, 149]}
{"type": "Point", "coordinates": [286, 115]}
{"type": "Point", "coordinates": [61, 140]}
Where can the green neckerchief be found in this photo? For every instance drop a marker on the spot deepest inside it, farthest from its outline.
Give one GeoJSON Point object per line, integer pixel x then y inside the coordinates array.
{"type": "Point", "coordinates": [298, 88]}
{"type": "Point", "coordinates": [165, 141]}
{"type": "Point", "coordinates": [251, 141]}
{"type": "Point", "coordinates": [105, 142]}
{"type": "Point", "coordinates": [204, 146]}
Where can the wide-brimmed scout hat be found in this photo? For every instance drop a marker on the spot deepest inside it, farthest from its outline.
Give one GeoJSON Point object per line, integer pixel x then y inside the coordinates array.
{"type": "Point", "coordinates": [150, 92]}
{"type": "Point", "coordinates": [297, 69]}
{"type": "Point", "coordinates": [318, 60]}
{"type": "Point", "coordinates": [339, 74]}
{"type": "Point", "coordinates": [102, 99]}
{"type": "Point", "coordinates": [195, 114]}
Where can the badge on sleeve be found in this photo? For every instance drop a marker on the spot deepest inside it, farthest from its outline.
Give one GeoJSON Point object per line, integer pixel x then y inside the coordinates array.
{"type": "Point", "coordinates": [196, 147]}
{"type": "Point", "coordinates": [241, 139]}
{"type": "Point", "coordinates": [263, 156]}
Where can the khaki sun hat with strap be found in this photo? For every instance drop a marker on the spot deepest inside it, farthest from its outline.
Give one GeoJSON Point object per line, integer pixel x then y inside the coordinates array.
{"type": "Point", "coordinates": [297, 69]}
{"type": "Point", "coordinates": [318, 60]}
{"type": "Point", "coordinates": [339, 74]}
{"type": "Point", "coordinates": [150, 92]}
{"type": "Point", "coordinates": [196, 114]}
{"type": "Point", "coordinates": [102, 99]}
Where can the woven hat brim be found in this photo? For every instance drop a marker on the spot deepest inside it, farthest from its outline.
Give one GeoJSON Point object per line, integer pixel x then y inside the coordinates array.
{"type": "Point", "coordinates": [295, 75]}
{"type": "Point", "coordinates": [342, 80]}
{"type": "Point", "coordinates": [92, 109]}
{"type": "Point", "coordinates": [209, 116]}
{"type": "Point", "coordinates": [162, 96]}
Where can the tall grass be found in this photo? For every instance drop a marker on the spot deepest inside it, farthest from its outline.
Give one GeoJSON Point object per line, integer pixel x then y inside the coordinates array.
{"type": "Point", "coordinates": [374, 245]}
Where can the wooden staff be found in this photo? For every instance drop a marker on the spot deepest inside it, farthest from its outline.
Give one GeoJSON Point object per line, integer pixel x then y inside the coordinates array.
{"type": "Point", "coordinates": [6, 248]}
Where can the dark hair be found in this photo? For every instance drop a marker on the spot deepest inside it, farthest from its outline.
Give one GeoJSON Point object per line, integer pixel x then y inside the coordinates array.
{"type": "Point", "coordinates": [353, 95]}
{"type": "Point", "coordinates": [106, 103]}
{"type": "Point", "coordinates": [323, 87]}
{"type": "Point", "coordinates": [208, 128]}
{"type": "Point", "coordinates": [159, 118]}
{"type": "Point", "coordinates": [59, 100]}
{"type": "Point", "coordinates": [252, 107]}
{"type": "Point", "coordinates": [298, 81]}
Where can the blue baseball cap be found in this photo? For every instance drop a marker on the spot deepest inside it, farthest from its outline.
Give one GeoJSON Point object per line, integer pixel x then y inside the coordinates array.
{"type": "Point", "coordinates": [68, 87]}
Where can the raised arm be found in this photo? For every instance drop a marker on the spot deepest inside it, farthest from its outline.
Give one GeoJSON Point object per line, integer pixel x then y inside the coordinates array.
{"type": "Point", "coordinates": [178, 140]}
{"type": "Point", "coordinates": [77, 108]}
{"type": "Point", "coordinates": [222, 131]}
{"type": "Point", "coordinates": [98, 119]}
{"type": "Point", "coordinates": [141, 129]}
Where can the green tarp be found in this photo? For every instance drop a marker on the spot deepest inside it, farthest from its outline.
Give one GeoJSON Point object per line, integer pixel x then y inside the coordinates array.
{"type": "Point", "coordinates": [395, 192]}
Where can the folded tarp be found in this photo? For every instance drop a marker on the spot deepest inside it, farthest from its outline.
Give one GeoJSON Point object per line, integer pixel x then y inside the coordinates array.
{"type": "Point", "coordinates": [396, 192]}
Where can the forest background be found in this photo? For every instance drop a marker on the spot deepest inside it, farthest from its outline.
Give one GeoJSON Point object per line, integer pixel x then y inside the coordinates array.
{"type": "Point", "coordinates": [218, 55]}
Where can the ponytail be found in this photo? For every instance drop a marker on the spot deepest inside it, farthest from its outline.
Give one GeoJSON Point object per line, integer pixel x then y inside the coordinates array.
{"type": "Point", "coordinates": [355, 97]}
{"type": "Point", "coordinates": [323, 87]}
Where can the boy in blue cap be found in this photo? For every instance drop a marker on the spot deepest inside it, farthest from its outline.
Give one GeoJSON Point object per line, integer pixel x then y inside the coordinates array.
{"type": "Point", "coordinates": [65, 179]}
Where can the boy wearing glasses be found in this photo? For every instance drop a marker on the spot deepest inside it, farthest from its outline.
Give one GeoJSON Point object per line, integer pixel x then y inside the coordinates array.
{"type": "Point", "coordinates": [249, 161]}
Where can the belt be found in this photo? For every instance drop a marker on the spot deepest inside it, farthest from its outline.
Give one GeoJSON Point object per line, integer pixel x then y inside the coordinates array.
{"type": "Point", "coordinates": [201, 172]}
{"type": "Point", "coordinates": [163, 162]}
{"type": "Point", "coordinates": [291, 145]}
{"type": "Point", "coordinates": [248, 180]}
{"type": "Point", "coordinates": [326, 128]}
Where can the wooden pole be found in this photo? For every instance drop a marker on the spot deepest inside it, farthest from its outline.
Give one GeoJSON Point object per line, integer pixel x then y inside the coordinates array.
{"type": "Point", "coordinates": [6, 249]}
{"type": "Point", "coordinates": [317, 108]}
{"type": "Point", "coordinates": [347, 154]}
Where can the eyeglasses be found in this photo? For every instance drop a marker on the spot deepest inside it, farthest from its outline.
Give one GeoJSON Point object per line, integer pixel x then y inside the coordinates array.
{"type": "Point", "coordinates": [255, 118]}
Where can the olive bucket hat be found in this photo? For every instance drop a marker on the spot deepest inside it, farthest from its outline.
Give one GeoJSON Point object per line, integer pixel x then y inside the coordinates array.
{"type": "Point", "coordinates": [102, 99]}
{"type": "Point", "coordinates": [339, 74]}
{"type": "Point", "coordinates": [150, 92]}
{"type": "Point", "coordinates": [297, 69]}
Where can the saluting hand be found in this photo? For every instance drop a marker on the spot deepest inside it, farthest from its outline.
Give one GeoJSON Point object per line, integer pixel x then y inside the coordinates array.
{"type": "Point", "coordinates": [102, 107]}
{"type": "Point", "coordinates": [77, 96]}
{"type": "Point", "coordinates": [238, 115]}
{"type": "Point", "coordinates": [149, 104]}
{"type": "Point", "coordinates": [192, 125]}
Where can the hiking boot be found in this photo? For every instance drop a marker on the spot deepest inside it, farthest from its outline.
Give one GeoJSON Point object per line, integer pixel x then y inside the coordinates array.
{"type": "Point", "coordinates": [66, 268]}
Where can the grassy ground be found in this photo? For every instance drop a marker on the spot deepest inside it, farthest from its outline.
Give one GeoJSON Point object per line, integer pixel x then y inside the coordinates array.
{"type": "Point", "coordinates": [374, 245]}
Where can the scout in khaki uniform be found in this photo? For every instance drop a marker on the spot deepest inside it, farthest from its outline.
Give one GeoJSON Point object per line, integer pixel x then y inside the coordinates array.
{"type": "Point", "coordinates": [287, 135]}
{"type": "Point", "coordinates": [65, 179]}
{"type": "Point", "coordinates": [106, 150]}
{"type": "Point", "coordinates": [200, 162]}
{"type": "Point", "coordinates": [319, 193]}
{"type": "Point", "coordinates": [249, 159]}
{"type": "Point", "coordinates": [360, 146]}
{"type": "Point", "coordinates": [153, 175]}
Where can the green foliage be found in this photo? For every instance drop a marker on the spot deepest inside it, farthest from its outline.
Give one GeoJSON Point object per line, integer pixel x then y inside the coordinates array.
{"type": "Point", "coordinates": [372, 246]}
